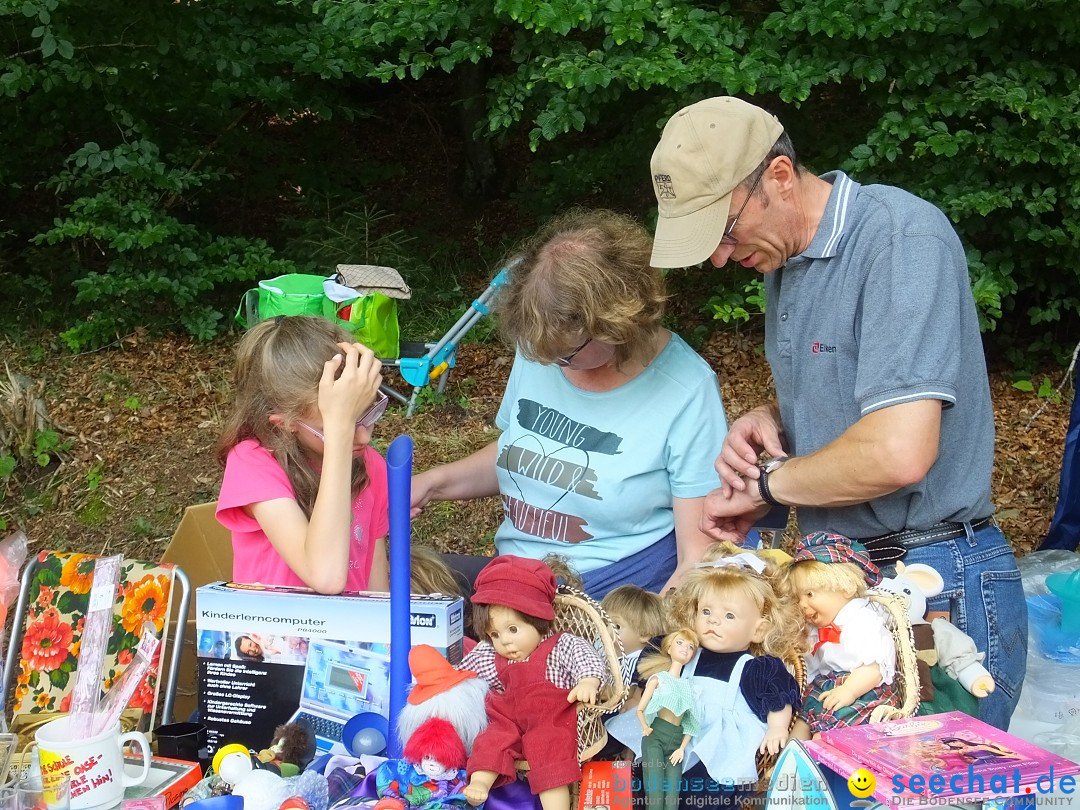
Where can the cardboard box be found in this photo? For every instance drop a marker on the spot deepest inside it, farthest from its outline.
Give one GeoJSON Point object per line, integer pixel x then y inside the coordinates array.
{"type": "Point", "coordinates": [270, 655]}
{"type": "Point", "coordinates": [202, 547]}
{"type": "Point", "coordinates": [606, 786]}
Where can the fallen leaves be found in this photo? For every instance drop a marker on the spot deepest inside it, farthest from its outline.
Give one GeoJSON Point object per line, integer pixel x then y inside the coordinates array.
{"type": "Point", "coordinates": [130, 472]}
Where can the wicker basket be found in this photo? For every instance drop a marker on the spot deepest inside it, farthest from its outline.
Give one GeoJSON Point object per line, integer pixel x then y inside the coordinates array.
{"type": "Point", "coordinates": [907, 666]}
{"type": "Point", "coordinates": [579, 615]}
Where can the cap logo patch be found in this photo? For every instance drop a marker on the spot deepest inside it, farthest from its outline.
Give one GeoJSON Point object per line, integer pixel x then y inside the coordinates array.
{"type": "Point", "coordinates": [664, 189]}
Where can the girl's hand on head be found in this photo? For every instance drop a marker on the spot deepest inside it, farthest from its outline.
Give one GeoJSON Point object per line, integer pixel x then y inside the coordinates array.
{"type": "Point", "coordinates": [342, 401]}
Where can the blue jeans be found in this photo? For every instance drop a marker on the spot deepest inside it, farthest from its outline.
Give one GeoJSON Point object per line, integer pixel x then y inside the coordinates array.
{"type": "Point", "coordinates": [650, 568]}
{"type": "Point", "coordinates": [985, 599]}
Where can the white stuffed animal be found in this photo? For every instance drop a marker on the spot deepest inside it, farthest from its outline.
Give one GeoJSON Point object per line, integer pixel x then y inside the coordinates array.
{"type": "Point", "coordinates": [939, 642]}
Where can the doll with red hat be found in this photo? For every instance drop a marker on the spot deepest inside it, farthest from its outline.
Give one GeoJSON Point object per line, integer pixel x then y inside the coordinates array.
{"type": "Point", "coordinates": [851, 666]}
{"type": "Point", "coordinates": [429, 776]}
{"type": "Point", "coordinates": [537, 676]}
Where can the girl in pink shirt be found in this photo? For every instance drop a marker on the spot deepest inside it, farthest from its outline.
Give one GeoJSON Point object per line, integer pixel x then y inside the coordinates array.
{"type": "Point", "coordinates": [304, 494]}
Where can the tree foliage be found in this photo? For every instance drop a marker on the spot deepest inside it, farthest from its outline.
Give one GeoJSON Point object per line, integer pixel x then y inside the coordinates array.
{"type": "Point", "coordinates": [143, 138]}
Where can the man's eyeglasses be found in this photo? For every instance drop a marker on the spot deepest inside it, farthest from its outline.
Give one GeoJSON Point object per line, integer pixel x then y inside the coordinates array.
{"type": "Point", "coordinates": [567, 359]}
{"type": "Point", "coordinates": [727, 238]}
{"type": "Point", "coordinates": [368, 420]}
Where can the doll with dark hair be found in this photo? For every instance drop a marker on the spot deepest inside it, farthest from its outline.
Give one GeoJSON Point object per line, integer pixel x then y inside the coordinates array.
{"type": "Point", "coordinates": [536, 677]}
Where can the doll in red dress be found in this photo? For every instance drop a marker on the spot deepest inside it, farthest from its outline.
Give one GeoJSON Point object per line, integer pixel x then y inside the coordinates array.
{"type": "Point", "coordinates": [537, 677]}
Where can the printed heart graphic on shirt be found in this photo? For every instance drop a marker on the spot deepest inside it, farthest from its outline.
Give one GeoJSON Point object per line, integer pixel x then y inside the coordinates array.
{"type": "Point", "coordinates": [571, 455]}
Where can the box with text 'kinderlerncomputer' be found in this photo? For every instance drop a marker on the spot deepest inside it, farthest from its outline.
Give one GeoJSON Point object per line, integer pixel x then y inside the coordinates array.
{"type": "Point", "coordinates": [270, 655]}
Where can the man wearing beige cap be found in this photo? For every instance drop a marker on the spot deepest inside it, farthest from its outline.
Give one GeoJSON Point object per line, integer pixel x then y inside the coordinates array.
{"type": "Point", "coordinates": [883, 429]}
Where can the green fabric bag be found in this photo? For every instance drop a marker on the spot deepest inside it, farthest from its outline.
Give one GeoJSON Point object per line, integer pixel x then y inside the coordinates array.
{"type": "Point", "coordinates": [373, 320]}
{"type": "Point", "coordinates": [292, 294]}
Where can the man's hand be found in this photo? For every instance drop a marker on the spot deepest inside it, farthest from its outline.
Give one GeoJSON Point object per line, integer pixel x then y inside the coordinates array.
{"type": "Point", "coordinates": [730, 517]}
{"type": "Point", "coordinates": [754, 431]}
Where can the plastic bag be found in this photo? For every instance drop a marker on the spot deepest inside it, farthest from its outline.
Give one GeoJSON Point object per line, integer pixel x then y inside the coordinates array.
{"type": "Point", "coordinates": [12, 557]}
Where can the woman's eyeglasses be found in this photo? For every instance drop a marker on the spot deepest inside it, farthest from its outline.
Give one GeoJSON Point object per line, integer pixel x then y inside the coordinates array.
{"type": "Point", "coordinates": [567, 359]}
{"type": "Point", "coordinates": [368, 420]}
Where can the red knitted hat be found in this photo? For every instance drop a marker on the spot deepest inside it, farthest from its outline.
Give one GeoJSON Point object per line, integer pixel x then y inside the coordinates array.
{"type": "Point", "coordinates": [527, 586]}
{"type": "Point", "coordinates": [436, 738]}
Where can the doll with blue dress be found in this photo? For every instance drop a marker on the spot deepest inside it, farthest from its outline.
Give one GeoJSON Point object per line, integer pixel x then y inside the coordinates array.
{"type": "Point", "coordinates": [746, 693]}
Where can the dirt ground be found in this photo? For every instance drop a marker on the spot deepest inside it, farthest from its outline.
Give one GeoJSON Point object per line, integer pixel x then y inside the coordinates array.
{"type": "Point", "coordinates": [142, 418]}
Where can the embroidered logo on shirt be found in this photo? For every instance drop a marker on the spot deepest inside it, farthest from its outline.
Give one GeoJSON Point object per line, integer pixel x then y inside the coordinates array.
{"type": "Point", "coordinates": [817, 347]}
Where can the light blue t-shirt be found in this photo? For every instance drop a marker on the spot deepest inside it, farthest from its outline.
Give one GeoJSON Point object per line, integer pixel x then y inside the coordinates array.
{"type": "Point", "coordinates": [591, 475]}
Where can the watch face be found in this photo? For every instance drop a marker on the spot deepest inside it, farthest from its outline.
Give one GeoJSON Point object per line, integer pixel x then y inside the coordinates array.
{"type": "Point", "coordinates": [772, 464]}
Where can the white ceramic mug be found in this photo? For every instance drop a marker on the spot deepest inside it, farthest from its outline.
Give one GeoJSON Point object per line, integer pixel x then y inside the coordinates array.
{"type": "Point", "coordinates": [95, 764]}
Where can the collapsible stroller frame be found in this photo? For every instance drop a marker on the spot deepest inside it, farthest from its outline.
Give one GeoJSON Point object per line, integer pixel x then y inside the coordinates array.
{"type": "Point", "coordinates": [421, 364]}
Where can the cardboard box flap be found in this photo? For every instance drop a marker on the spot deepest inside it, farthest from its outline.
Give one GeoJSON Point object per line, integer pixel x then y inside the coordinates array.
{"type": "Point", "coordinates": [202, 547]}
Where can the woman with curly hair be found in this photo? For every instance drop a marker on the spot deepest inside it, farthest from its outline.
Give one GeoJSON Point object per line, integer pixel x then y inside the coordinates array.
{"type": "Point", "coordinates": [609, 421]}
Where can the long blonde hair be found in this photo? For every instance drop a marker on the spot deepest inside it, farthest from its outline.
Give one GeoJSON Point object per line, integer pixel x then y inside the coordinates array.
{"type": "Point", "coordinates": [785, 628]}
{"type": "Point", "coordinates": [658, 661]}
{"type": "Point", "coordinates": [279, 363]}
{"type": "Point", "coordinates": [584, 273]}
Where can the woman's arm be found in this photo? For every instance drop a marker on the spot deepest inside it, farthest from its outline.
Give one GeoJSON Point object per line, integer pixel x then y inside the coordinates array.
{"type": "Point", "coordinates": [471, 477]}
{"type": "Point", "coordinates": [690, 541]}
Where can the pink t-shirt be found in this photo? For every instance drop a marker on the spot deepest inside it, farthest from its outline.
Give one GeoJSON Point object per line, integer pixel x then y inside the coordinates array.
{"type": "Point", "coordinates": [252, 475]}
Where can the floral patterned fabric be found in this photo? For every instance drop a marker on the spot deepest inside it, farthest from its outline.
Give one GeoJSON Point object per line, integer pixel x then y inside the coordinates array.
{"type": "Point", "coordinates": [56, 612]}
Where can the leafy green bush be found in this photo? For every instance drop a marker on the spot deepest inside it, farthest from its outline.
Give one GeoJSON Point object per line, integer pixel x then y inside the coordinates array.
{"type": "Point", "coordinates": [972, 104]}
{"type": "Point", "coordinates": [153, 152]}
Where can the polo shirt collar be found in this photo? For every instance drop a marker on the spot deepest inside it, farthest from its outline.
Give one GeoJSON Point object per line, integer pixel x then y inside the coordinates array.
{"type": "Point", "coordinates": [837, 218]}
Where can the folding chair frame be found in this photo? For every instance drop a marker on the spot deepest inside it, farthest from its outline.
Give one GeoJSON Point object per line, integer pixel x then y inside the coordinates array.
{"type": "Point", "coordinates": [14, 652]}
{"type": "Point", "coordinates": [441, 356]}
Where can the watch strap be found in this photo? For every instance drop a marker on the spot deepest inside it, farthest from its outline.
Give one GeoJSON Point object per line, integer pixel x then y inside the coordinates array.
{"type": "Point", "coordinates": [763, 488]}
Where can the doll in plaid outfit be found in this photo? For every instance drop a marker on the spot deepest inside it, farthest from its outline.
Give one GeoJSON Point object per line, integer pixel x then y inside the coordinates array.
{"type": "Point", "coordinates": [851, 666]}
{"type": "Point", "coordinates": [537, 678]}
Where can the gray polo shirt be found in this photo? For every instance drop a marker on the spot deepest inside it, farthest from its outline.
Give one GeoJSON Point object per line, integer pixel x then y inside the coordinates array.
{"type": "Point", "coordinates": [876, 312]}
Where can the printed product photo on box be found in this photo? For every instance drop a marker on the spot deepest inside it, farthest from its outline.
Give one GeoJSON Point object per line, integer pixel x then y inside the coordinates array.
{"type": "Point", "coordinates": [273, 655]}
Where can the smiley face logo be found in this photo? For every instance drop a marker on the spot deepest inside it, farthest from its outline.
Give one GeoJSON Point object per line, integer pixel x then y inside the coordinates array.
{"type": "Point", "coordinates": [861, 783]}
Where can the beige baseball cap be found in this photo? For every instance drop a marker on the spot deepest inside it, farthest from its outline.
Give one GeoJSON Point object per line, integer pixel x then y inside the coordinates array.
{"type": "Point", "coordinates": [706, 150]}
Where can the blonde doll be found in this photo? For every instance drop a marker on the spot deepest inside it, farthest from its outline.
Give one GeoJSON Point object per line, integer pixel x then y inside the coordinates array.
{"type": "Point", "coordinates": [668, 718]}
{"type": "Point", "coordinates": [851, 666]}
{"type": "Point", "coordinates": [746, 692]}
{"type": "Point", "coordinates": [638, 615]}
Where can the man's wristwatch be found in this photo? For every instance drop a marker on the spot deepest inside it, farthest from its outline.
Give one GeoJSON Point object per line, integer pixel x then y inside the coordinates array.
{"type": "Point", "coordinates": [763, 480]}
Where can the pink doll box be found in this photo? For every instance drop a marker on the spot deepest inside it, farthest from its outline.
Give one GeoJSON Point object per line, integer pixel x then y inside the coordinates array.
{"type": "Point", "coordinates": [945, 744]}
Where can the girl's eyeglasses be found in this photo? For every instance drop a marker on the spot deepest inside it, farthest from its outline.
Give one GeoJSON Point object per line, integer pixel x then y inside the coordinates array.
{"type": "Point", "coordinates": [567, 359]}
{"type": "Point", "coordinates": [368, 420]}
